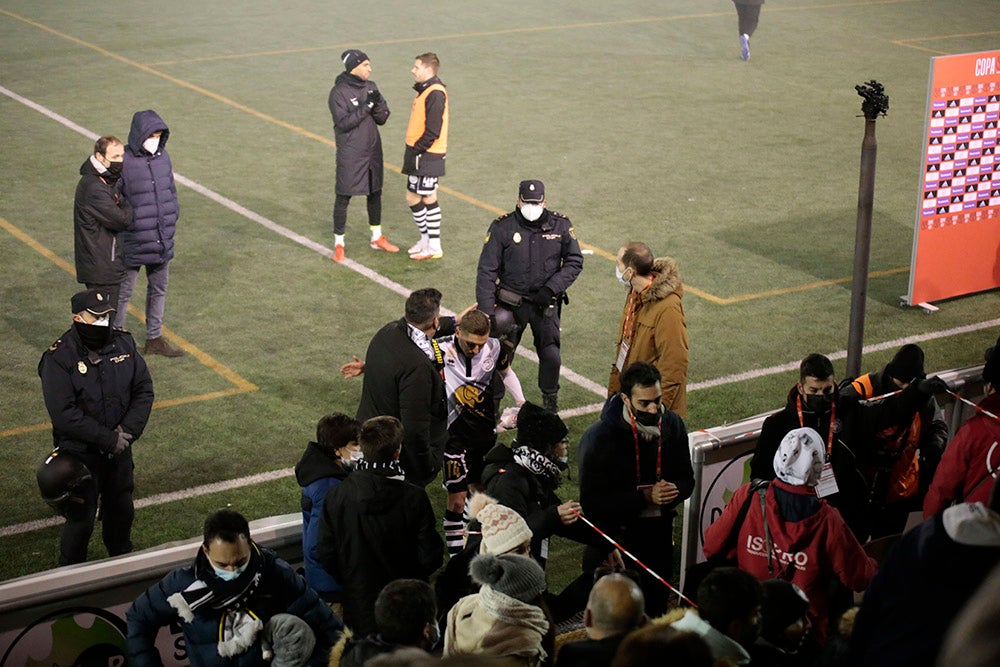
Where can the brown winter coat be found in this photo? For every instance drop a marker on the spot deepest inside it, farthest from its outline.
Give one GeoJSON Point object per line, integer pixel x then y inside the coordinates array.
{"type": "Point", "coordinates": [660, 335]}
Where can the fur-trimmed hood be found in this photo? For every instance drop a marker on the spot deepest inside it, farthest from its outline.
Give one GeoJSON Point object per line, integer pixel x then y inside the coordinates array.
{"type": "Point", "coordinates": [667, 281]}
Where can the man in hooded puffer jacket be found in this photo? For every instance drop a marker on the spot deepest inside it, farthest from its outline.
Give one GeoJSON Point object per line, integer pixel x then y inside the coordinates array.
{"type": "Point", "coordinates": [148, 185]}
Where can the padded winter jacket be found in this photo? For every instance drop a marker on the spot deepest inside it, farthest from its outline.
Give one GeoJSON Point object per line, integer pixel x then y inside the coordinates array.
{"type": "Point", "coordinates": [148, 184]}
{"type": "Point", "coordinates": [810, 544]}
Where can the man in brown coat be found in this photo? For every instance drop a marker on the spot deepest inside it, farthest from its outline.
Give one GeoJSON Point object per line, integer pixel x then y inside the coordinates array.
{"type": "Point", "coordinates": [652, 328]}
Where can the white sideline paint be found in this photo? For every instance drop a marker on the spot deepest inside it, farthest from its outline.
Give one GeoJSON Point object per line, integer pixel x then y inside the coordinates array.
{"type": "Point", "coordinates": [379, 279]}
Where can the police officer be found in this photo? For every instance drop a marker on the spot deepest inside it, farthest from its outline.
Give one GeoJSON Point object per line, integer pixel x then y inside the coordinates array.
{"type": "Point", "coordinates": [98, 392]}
{"type": "Point", "coordinates": [529, 260]}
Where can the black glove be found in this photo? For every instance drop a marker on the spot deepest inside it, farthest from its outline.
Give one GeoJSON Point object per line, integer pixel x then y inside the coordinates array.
{"type": "Point", "coordinates": [374, 97]}
{"type": "Point", "coordinates": [543, 297]}
{"type": "Point", "coordinates": [124, 440]}
{"type": "Point", "coordinates": [933, 385]}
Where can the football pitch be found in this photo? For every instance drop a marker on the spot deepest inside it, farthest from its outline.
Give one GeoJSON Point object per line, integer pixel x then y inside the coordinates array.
{"type": "Point", "coordinates": [640, 117]}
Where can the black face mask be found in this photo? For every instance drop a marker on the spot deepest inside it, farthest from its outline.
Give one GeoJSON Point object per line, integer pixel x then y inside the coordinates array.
{"type": "Point", "coordinates": [115, 169]}
{"type": "Point", "coordinates": [647, 418]}
{"type": "Point", "coordinates": [93, 337]}
{"type": "Point", "coordinates": [818, 402]}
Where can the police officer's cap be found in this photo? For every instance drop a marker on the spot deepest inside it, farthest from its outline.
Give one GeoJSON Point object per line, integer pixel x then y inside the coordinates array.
{"type": "Point", "coordinates": [96, 301]}
{"type": "Point", "coordinates": [532, 192]}
{"type": "Point", "coordinates": [63, 479]}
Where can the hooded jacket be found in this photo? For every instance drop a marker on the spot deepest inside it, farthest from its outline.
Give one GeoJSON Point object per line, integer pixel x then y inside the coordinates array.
{"type": "Point", "coordinates": [148, 184]}
{"type": "Point", "coordinates": [607, 459]}
{"type": "Point", "coordinates": [100, 212]}
{"type": "Point", "coordinates": [811, 544]}
{"type": "Point", "coordinates": [355, 126]}
{"type": "Point", "coordinates": [660, 334]}
{"type": "Point", "coordinates": [375, 529]}
{"type": "Point", "coordinates": [847, 461]}
{"type": "Point", "coordinates": [970, 463]}
{"type": "Point", "coordinates": [317, 472]}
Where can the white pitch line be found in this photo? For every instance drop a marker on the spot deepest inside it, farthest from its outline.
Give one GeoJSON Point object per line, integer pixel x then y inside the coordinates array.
{"type": "Point", "coordinates": [291, 235]}
{"type": "Point", "coordinates": [842, 354]}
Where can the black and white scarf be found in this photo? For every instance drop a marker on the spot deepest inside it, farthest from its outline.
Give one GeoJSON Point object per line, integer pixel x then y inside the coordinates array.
{"type": "Point", "coordinates": [239, 626]}
{"type": "Point", "coordinates": [390, 469]}
{"type": "Point", "coordinates": [536, 463]}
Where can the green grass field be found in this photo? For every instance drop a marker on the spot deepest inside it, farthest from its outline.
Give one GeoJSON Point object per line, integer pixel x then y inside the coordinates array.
{"type": "Point", "coordinates": [640, 118]}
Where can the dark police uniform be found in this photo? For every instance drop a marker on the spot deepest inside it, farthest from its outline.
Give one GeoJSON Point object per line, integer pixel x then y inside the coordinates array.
{"type": "Point", "coordinates": [88, 394]}
{"type": "Point", "coordinates": [537, 261]}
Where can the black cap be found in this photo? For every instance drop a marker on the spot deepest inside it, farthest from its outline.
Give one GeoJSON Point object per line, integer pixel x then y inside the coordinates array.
{"type": "Point", "coordinates": [352, 58]}
{"type": "Point", "coordinates": [97, 301]}
{"type": "Point", "coordinates": [532, 192]}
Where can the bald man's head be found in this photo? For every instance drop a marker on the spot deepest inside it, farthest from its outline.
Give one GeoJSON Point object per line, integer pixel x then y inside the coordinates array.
{"type": "Point", "coordinates": [616, 606]}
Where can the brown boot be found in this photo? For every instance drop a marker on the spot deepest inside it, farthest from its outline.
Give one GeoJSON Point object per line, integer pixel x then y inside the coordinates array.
{"type": "Point", "coordinates": [160, 346]}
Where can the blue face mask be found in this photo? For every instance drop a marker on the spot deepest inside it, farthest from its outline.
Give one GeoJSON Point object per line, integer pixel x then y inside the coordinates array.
{"type": "Point", "coordinates": [229, 575]}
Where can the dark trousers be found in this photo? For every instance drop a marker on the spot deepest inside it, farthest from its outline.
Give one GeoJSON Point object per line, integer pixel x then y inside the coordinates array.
{"type": "Point", "coordinates": [114, 485]}
{"type": "Point", "coordinates": [651, 541]}
{"type": "Point", "coordinates": [340, 211]}
{"type": "Point", "coordinates": [748, 17]}
{"type": "Point", "coordinates": [544, 324]}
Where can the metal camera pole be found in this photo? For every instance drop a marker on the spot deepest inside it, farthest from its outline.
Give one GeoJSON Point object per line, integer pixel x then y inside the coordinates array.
{"type": "Point", "coordinates": [876, 103]}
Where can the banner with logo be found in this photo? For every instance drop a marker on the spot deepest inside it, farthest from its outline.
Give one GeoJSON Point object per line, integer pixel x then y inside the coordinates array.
{"type": "Point", "coordinates": [956, 245]}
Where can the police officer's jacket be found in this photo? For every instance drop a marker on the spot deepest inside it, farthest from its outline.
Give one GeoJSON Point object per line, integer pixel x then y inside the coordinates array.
{"type": "Point", "coordinates": [89, 393]}
{"type": "Point", "coordinates": [525, 256]}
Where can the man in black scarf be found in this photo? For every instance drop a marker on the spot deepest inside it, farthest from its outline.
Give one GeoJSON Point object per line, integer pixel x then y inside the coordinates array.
{"type": "Point", "coordinates": [237, 600]}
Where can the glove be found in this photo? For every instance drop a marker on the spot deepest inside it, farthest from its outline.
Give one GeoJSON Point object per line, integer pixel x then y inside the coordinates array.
{"type": "Point", "coordinates": [124, 440]}
{"type": "Point", "coordinates": [543, 297]}
{"type": "Point", "coordinates": [933, 385]}
{"type": "Point", "coordinates": [374, 97]}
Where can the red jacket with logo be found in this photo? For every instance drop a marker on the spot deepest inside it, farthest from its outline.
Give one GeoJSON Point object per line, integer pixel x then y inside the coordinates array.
{"type": "Point", "coordinates": [969, 463]}
{"type": "Point", "coordinates": [811, 544]}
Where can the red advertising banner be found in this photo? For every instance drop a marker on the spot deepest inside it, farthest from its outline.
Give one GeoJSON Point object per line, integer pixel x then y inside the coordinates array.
{"type": "Point", "coordinates": [956, 246]}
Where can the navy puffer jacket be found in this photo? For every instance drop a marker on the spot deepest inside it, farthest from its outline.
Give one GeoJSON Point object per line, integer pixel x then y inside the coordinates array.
{"type": "Point", "coordinates": [148, 185]}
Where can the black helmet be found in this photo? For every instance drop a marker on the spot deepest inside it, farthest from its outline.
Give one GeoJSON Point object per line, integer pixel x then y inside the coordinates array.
{"type": "Point", "coordinates": [63, 479]}
{"type": "Point", "coordinates": [503, 323]}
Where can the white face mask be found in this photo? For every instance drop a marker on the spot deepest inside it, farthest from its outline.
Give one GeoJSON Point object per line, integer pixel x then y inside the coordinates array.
{"type": "Point", "coordinates": [620, 275]}
{"type": "Point", "coordinates": [103, 321]}
{"type": "Point", "coordinates": [357, 456]}
{"type": "Point", "coordinates": [229, 575]}
{"type": "Point", "coordinates": [151, 144]}
{"type": "Point", "coordinates": [532, 212]}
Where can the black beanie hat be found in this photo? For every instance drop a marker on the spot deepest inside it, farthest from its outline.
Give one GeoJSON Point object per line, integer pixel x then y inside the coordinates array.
{"type": "Point", "coordinates": [784, 603]}
{"type": "Point", "coordinates": [907, 365]}
{"type": "Point", "coordinates": [538, 428]}
{"type": "Point", "coordinates": [352, 58]}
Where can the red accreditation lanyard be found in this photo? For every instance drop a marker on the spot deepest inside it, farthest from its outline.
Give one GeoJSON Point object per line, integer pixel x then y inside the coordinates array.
{"type": "Point", "coordinates": [631, 310]}
{"type": "Point", "coordinates": [833, 415]}
{"type": "Point", "coordinates": [659, 448]}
